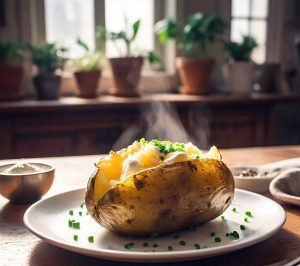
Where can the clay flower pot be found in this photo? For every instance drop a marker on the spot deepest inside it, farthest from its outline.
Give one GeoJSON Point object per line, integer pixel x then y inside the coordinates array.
{"type": "Point", "coordinates": [239, 76]}
{"type": "Point", "coordinates": [10, 81]}
{"type": "Point", "coordinates": [87, 82]}
{"type": "Point", "coordinates": [195, 74]}
{"type": "Point", "coordinates": [126, 75]}
{"type": "Point", "coordinates": [47, 86]}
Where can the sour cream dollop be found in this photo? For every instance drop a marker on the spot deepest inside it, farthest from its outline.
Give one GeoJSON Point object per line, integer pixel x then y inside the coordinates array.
{"type": "Point", "coordinates": [22, 168]}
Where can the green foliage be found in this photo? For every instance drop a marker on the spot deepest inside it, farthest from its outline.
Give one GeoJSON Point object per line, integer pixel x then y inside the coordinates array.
{"type": "Point", "coordinates": [128, 36]}
{"type": "Point", "coordinates": [192, 37]}
{"type": "Point", "coordinates": [10, 52]}
{"type": "Point", "coordinates": [166, 29]}
{"type": "Point", "coordinates": [153, 58]}
{"type": "Point", "coordinates": [241, 51]}
{"type": "Point", "coordinates": [90, 61]}
{"type": "Point", "coordinates": [100, 39]}
{"type": "Point", "coordinates": [48, 57]}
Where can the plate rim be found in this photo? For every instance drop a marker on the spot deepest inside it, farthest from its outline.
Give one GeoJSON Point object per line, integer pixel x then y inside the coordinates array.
{"type": "Point", "coordinates": [166, 256]}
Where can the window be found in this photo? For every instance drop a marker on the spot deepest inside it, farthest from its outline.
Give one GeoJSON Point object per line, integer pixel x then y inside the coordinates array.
{"type": "Point", "coordinates": [67, 20]}
{"type": "Point", "coordinates": [249, 17]}
{"type": "Point", "coordinates": [116, 14]}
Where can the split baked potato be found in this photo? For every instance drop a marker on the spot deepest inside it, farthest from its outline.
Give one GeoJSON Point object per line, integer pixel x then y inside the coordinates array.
{"type": "Point", "coordinates": [158, 187]}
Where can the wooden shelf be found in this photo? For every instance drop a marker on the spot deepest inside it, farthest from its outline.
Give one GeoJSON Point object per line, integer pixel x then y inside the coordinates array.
{"type": "Point", "coordinates": [74, 126]}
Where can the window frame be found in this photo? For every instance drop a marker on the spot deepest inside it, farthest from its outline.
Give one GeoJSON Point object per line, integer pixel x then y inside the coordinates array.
{"type": "Point", "coordinates": [251, 18]}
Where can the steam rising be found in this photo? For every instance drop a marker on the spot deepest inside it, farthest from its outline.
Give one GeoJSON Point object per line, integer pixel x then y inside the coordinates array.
{"type": "Point", "coordinates": [160, 120]}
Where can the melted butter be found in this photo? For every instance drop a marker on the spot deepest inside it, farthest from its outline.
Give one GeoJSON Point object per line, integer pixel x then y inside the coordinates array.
{"type": "Point", "coordinates": [177, 157]}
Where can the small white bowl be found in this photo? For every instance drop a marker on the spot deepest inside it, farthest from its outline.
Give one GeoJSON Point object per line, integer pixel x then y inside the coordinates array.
{"type": "Point", "coordinates": [258, 183]}
{"type": "Point", "coordinates": [286, 186]}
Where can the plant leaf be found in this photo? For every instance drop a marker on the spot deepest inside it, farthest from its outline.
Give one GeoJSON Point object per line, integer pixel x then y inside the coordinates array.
{"type": "Point", "coordinates": [82, 44]}
{"type": "Point", "coordinates": [135, 27]}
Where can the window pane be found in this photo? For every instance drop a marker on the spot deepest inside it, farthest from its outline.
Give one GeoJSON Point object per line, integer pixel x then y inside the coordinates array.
{"type": "Point", "coordinates": [259, 8]}
{"type": "Point", "coordinates": [239, 27]}
{"type": "Point", "coordinates": [68, 20]}
{"type": "Point", "coordinates": [117, 11]}
{"type": "Point", "coordinates": [240, 8]}
{"type": "Point", "coordinates": [259, 54]}
{"type": "Point", "coordinates": [258, 29]}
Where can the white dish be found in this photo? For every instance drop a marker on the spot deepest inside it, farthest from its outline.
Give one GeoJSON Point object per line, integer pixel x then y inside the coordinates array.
{"type": "Point", "coordinates": [48, 219]}
{"type": "Point", "coordinates": [258, 183]}
{"type": "Point", "coordinates": [286, 187]}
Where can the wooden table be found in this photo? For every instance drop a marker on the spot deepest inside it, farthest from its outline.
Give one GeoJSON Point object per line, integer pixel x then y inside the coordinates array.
{"type": "Point", "coordinates": [19, 247]}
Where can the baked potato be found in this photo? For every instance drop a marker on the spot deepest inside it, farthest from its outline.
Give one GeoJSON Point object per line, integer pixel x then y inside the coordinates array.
{"type": "Point", "coordinates": [158, 187]}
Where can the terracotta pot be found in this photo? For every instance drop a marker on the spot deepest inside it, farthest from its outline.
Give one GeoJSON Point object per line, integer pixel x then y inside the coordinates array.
{"type": "Point", "coordinates": [87, 82]}
{"type": "Point", "coordinates": [10, 81]}
{"type": "Point", "coordinates": [126, 74]}
{"type": "Point", "coordinates": [239, 76]}
{"type": "Point", "coordinates": [266, 78]}
{"type": "Point", "coordinates": [195, 74]}
{"type": "Point", "coordinates": [47, 86]}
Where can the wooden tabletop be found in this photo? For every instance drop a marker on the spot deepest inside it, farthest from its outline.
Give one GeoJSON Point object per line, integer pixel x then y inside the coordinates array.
{"type": "Point", "coordinates": [19, 247]}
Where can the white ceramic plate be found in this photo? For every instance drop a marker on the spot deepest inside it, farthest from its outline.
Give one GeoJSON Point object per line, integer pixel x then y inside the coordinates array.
{"type": "Point", "coordinates": [48, 219]}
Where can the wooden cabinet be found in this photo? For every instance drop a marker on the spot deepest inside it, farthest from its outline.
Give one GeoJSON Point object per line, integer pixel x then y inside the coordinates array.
{"type": "Point", "coordinates": [73, 126]}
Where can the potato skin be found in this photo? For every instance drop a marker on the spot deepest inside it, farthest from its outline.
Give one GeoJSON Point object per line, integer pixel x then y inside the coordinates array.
{"type": "Point", "coordinates": [164, 198]}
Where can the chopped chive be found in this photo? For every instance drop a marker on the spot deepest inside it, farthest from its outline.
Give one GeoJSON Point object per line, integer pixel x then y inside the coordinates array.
{"type": "Point", "coordinates": [170, 248]}
{"type": "Point", "coordinates": [145, 244]}
{"type": "Point", "coordinates": [81, 205]}
{"type": "Point", "coordinates": [242, 227]}
{"type": "Point", "coordinates": [234, 209]}
{"type": "Point", "coordinates": [212, 234]}
{"type": "Point", "coordinates": [70, 222]}
{"type": "Point", "coordinates": [246, 220]}
{"type": "Point", "coordinates": [80, 213]}
{"type": "Point", "coordinates": [234, 234]}
{"type": "Point", "coordinates": [248, 213]}
{"type": "Point", "coordinates": [71, 212]}
{"type": "Point", "coordinates": [197, 157]}
{"type": "Point", "coordinates": [218, 239]}
{"type": "Point", "coordinates": [197, 246]}
{"type": "Point", "coordinates": [129, 245]}
{"type": "Point", "coordinates": [75, 237]}
{"type": "Point", "coordinates": [227, 235]}
{"type": "Point", "coordinates": [223, 218]}
{"type": "Point", "coordinates": [176, 236]}
{"type": "Point", "coordinates": [161, 158]}
{"type": "Point", "coordinates": [76, 225]}
{"type": "Point", "coordinates": [155, 245]}
{"type": "Point", "coordinates": [182, 242]}
{"type": "Point", "coordinates": [87, 213]}
{"type": "Point", "coordinates": [91, 239]}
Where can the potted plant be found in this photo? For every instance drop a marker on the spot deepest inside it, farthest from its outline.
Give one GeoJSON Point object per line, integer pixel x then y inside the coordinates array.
{"type": "Point", "coordinates": [11, 71]}
{"type": "Point", "coordinates": [88, 71]}
{"type": "Point", "coordinates": [126, 69]}
{"type": "Point", "coordinates": [48, 58]}
{"type": "Point", "coordinates": [239, 70]}
{"type": "Point", "coordinates": [194, 67]}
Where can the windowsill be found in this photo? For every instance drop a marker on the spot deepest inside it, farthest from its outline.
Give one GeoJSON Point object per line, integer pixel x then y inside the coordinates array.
{"type": "Point", "coordinates": [151, 82]}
